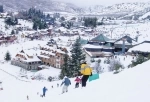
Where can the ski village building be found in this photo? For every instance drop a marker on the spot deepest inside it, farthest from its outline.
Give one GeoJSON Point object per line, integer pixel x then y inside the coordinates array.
{"type": "Point", "coordinates": [27, 60]}
{"type": "Point", "coordinates": [52, 57]}
{"type": "Point", "coordinates": [48, 55]}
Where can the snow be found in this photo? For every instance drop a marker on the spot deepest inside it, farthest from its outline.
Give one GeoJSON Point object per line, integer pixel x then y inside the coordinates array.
{"type": "Point", "coordinates": [142, 47]}
{"type": "Point", "coordinates": [23, 23]}
{"type": "Point", "coordinates": [130, 85]}
{"type": "Point", "coordinates": [45, 73]}
{"type": "Point", "coordinates": [15, 48]}
{"type": "Point", "coordinates": [144, 16]}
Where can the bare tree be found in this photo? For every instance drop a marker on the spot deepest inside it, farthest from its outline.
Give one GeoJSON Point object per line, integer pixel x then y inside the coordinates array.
{"type": "Point", "coordinates": [39, 77]}
{"type": "Point", "coordinates": [115, 66]}
{"type": "Point", "coordinates": [97, 66]}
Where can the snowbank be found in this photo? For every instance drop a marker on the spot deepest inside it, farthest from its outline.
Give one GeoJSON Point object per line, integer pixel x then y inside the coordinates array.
{"type": "Point", "coordinates": [45, 73]}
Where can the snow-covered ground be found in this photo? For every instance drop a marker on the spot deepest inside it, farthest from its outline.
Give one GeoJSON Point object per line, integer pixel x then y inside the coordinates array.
{"type": "Point", "coordinates": [23, 23]}
{"type": "Point", "coordinates": [131, 85]}
{"type": "Point", "coordinates": [128, 29]}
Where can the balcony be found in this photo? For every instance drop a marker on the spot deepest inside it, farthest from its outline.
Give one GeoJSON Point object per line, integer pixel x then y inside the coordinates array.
{"type": "Point", "coordinates": [58, 60]}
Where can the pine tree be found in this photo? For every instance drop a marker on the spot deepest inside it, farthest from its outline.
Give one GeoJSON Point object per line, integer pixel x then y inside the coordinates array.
{"type": "Point", "coordinates": [139, 60]}
{"type": "Point", "coordinates": [35, 26]}
{"type": "Point", "coordinates": [65, 70]}
{"type": "Point", "coordinates": [76, 57]}
{"type": "Point", "coordinates": [12, 32]}
{"type": "Point", "coordinates": [7, 56]}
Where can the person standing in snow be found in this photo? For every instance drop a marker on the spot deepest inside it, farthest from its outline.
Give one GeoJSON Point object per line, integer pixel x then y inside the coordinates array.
{"type": "Point", "coordinates": [44, 91]}
{"type": "Point", "coordinates": [57, 85]}
{"type": "Point", "coordinates": [86, 71]}
{"type": "Point", "coordinates": [78, 80]}
{"type": "Point", "coordinates": [66, 81]}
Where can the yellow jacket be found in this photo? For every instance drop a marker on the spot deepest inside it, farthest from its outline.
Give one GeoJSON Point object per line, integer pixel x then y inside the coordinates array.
{"type": "Point", "coordinates": [85, 69]}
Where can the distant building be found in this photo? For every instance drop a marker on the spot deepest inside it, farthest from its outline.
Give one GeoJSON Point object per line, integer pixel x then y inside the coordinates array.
{"type": "Point", "coordinates": [27, 60]}
{"type": "Point", "coordinates": [52, 55]}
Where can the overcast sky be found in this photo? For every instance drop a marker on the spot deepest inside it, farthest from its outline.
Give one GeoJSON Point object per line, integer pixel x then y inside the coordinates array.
{"type": "Point", "coordinates": [99, 2]}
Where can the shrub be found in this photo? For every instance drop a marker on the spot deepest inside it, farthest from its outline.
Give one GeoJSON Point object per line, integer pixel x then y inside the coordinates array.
{"type": "Point", "coordinates": [139, 60]}
{"type": "Point", "coordinates": [115, 66]}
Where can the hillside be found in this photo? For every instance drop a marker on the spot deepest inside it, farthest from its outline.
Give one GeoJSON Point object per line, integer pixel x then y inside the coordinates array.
{"type": "Point", "coordinates": [122, 10]}
{"type": "Point", "coordinates": [45, 5]}
{"type": "Point", "coordinates": [131, 85]}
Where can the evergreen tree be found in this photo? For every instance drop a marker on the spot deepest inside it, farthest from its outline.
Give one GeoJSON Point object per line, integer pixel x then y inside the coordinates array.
{"type": "Point", "coordinates": [62, 18]}
{"type": "Point", "coordinates": [11, 21]}
{"type": "Point", "coordinates": [76, 57]}
{"type": "Point", "coordinates": [7, 56]}
{"type": "Point", "coordinates": [65, 70]}
{"type": "Point", "coordinates": [12, 32]}
{"type": "Point", "coordinates": [90, 22]}
{"type": "Point", "coordinates": [35, 26]}
{"type": "Point", "coordinates": [139, 60]}
{"type": "Point", "coordinates": [48, 16]}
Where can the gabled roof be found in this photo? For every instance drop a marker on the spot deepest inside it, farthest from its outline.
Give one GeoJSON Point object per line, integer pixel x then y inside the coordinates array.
{"type": "Point", "coordinates": [82, 41]}
{"type": "Point", "coordinates": [100, 38]}
{"type": "Point", "coordinates": [128, 39]}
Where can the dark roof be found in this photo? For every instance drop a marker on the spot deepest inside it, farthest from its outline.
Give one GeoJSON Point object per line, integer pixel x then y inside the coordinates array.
{"type": "Point", "coordinates": [82, 41]}
{"type": "Point", "coordinates": [100, 38]}
{"type": "Point", "coordinates": [128, 39]}
{"type": "Point", "coordinates": [22, 51]}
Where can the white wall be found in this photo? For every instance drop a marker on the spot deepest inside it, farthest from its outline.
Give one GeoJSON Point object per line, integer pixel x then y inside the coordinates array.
{"type": "Point", "coordinates": [88, 58]}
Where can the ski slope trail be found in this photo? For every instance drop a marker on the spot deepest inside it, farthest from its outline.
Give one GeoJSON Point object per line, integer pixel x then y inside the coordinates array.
{"type": "Point", "coordinates": [130, 85]}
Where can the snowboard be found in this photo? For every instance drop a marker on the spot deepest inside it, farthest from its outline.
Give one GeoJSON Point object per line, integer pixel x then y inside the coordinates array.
{"type": "Point", "coordinates": [93, 77]}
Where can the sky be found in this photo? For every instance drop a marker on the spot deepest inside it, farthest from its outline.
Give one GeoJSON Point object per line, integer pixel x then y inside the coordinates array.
{"type": "Point", "coordinates": [99, 2]}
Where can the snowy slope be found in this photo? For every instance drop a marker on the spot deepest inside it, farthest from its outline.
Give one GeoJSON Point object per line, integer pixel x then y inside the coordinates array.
{"type": "Point", "coordinates": [131, 85]}
{"type": "Point", "coordinates": [45, 5]}
{"type": "Point", "coordinates": [144, 16]}
{"type": "Point", "coordinates": [121, 10]}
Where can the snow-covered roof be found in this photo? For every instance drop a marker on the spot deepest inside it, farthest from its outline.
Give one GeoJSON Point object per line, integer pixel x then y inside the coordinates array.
{"type": "Point", "coordinates": [27, 53]}
{"type": "Point", "coordinates": [48, 52]}
{"type": "Point", "coordinates": [43, 56]}
{"type": "Point", "coordinates": [144, 47]}
{"type": "Point", "coordinates": [34, 59]}
{"type": "Point", "coordinates": [92, 46]}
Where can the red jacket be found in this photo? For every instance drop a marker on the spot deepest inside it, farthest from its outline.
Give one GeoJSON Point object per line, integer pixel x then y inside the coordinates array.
{"type": "Point", "coordinates": [78, 80]}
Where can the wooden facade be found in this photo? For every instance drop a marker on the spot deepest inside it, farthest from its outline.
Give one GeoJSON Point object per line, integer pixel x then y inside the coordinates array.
{"type": "Point", "coordinates": [52, 57]}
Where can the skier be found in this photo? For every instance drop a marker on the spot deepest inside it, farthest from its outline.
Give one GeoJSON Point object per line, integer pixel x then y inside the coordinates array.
{"type": "Point", "coordinates": [44, 91]}
{"type": "Point", "coordinates": [1, 88]}
{"type": "Point", "coordinates": [57, 85]}
{"type": "Point", "coordinates": [78, 80]}
{"type": "Point", "coordinates": [86, 71]}
{"type": "Point", "coordinates": [66, 81]}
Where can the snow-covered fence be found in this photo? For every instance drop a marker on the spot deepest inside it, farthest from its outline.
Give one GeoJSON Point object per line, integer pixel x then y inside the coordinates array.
{"type": "Point", "coordinates": [14, 76]}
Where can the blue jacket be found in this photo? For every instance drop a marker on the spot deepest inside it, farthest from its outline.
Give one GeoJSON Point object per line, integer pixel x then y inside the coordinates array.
{"type": "Point", "coordinates": [44, 89]}
{"type": "Point", "coordinates": [66, 82]}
